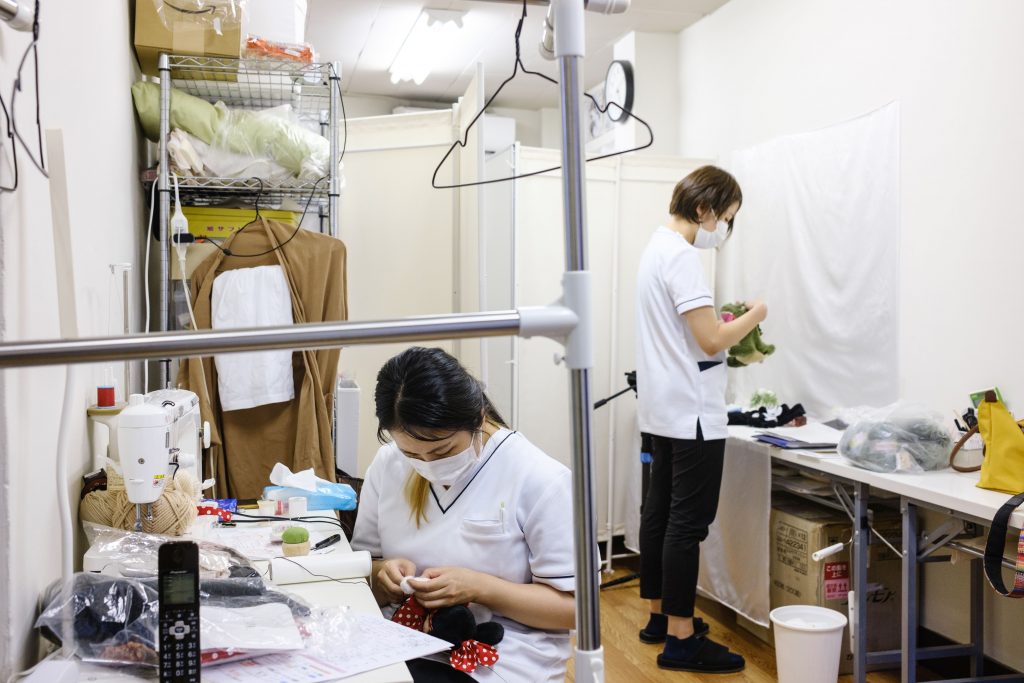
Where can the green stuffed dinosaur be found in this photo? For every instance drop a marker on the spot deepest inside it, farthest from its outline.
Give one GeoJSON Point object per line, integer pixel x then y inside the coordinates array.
{"type": "Point", "coordinates": [751, 348]}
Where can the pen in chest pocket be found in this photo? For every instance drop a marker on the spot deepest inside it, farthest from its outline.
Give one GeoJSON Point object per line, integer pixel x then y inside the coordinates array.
{"type": "Point", "coordinates": [501, 515]}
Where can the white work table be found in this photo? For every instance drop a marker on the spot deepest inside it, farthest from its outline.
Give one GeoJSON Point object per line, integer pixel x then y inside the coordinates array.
{"type": "Point", "coordinates": [953, 493]}
{"type": "Point", "coordinates": [357, 596]}
{"type": "Point", "coordinates": [944, 489]}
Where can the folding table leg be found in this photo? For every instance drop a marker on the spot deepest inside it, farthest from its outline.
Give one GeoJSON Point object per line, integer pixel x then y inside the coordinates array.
{"type": "Point", "coordinates": [910, 604]}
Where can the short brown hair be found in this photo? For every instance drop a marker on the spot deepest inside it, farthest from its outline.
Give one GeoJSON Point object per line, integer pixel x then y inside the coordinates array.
{"type": "Point", "coordinates": [709, 187]}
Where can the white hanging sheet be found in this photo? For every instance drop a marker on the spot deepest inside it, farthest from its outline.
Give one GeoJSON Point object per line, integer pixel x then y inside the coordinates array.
{"type": "Point", "coordinates": [817, 239]}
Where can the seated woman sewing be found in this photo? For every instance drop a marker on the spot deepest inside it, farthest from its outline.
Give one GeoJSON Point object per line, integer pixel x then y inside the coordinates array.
{"type": "Point", "coordinates": [480, 514]}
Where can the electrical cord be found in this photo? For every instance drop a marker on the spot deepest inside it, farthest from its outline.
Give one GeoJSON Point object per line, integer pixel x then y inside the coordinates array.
{"type": "Point", "coordinates": [227, 252]}
{"type": "Point", "coordinates": [344, 117]}
{"type": "Point", "coordinates": [515, 70]}
{"type": "Point", "coordinates": [145, 278]}
{"type": "Point", "coordinates": [321, 576]}
{"type": "Point", "coordinates": [13, 134]}
{"type": "Point", "coordinates": [275, 518]}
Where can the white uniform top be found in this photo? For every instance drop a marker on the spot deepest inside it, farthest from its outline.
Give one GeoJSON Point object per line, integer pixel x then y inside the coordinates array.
{"type": "Point", "coordinates": [677, 383]}
{"type": "Point", "coordinates": [510, 516]}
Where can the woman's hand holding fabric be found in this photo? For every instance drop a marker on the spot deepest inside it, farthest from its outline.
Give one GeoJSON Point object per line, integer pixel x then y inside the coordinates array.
{"type": "Point", "coordinates": [446, 586]}
{"type": "Point", "coordinates": [390, 575]}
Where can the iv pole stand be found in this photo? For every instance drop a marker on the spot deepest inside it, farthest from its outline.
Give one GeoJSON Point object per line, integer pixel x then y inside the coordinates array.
{"type": "Point", "coordinates": [569, 46]}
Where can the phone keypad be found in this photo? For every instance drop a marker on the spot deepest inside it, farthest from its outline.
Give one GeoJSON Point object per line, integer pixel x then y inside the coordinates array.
{"type": "Point", "coordinates": [179, 646]}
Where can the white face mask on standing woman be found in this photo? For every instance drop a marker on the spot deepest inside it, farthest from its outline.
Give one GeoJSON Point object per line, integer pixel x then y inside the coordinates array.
{"type": "Point", "coordinates": [447, 471]}
{"type": "Point", "coordinates": [706, 239]}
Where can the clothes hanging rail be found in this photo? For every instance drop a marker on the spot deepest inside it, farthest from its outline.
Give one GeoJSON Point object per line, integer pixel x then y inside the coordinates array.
{"type": "Point", "coordinates": [304, 336]}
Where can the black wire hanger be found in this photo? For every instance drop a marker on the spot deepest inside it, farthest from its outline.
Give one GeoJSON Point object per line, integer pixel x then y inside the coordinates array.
{"type": "Point", "coordinates": [515, 70]}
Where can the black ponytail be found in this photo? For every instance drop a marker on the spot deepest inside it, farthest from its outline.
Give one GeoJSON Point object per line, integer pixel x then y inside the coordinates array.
{"type": "Point", "coordinates": [427, 394]}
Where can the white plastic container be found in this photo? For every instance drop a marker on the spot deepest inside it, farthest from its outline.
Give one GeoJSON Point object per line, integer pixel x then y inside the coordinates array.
{"type": "Point", "coordinates": [808, 641]}
{"type": "Point", "coordinates": [346, 438]}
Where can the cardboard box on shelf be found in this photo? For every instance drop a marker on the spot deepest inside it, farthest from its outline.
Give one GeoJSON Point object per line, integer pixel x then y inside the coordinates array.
{"type": "Point", "coordinates": [182, 38]}
{"type": "Point", "coordinates": [799, 529]}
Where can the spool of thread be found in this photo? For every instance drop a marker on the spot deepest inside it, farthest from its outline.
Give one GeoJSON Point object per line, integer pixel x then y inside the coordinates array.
{"type": "Point", "coordinates": [297, 506]}
{"type": "Point", "coordinates": [309, 568]}
{"type": "Point", "coordinates": [173, 513]}
{"type": "Point", "coordinates": [267, 508]}
{"type": "Point", "coordinates": [105, 397]}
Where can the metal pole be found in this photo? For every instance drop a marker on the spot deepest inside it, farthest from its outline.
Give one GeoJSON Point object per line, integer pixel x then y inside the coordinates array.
{"type": "Point", "coordinates": [127, 389]}
{"type": "Point", "coordinates": [908, 672]}
{"type": "Point", "coordinates": [335, 190]}
{"type": "Point", "coordinates": [306, 336]}
{"type": "Point", "coordinates": [977, 598]}
{"type": "Point", "coordinates": [861, 538]}
{"type": "Point", "coordinates": [164, 301]}
{"type": "Point", "coordinates": [588, 623]}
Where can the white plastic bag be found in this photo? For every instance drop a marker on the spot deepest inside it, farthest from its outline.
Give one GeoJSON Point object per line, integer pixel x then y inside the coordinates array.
{"type": "Point", "coordinates": [898, 438]}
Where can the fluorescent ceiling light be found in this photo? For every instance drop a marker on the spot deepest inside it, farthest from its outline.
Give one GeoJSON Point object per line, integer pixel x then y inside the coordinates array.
{"type": "Point", "coordinates": [431, 36]}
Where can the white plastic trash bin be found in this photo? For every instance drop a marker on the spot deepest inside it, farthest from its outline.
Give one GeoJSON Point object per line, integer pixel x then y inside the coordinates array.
{"type": "Point", "coordinates": [808, 641]}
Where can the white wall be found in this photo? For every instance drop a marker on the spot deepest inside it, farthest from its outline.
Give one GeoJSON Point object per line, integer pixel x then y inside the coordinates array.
{"type": "Point", "coordinates": [529, 126]}
{"type": "Point", "coordinates": [399, 258]}
{"type": "Point", "coordinates": [90, 102]}
{"type": "Point", "coordinates": [756, 69]}
{"type": "Point", "coordinates": [655, 59]}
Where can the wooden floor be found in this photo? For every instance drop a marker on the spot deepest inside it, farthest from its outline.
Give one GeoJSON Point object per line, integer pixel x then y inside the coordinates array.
{"type": "Point", "coordinates": [627, 660]}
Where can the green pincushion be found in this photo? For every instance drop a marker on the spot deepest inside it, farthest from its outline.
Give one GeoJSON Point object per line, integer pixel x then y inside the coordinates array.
{"type": "Point", "coordinates": [295, 534]}
{"type": "Point", "coordinates": [295, 541]}
{"type": "Point", "coordinates": [752, 348]}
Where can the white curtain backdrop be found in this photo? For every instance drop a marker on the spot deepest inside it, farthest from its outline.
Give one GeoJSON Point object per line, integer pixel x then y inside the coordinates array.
{"type": "Point", "coordinates": [817, 240]}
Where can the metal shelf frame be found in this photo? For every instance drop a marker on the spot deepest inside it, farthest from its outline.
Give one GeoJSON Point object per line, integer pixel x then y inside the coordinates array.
{"type": "Point", "coordinates": [311, 91]}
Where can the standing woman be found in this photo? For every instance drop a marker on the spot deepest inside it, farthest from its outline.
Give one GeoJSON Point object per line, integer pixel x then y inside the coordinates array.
{"type": "Point", "coordinates": [480, 514]}
{"type": "Point", "coordinates": [681, 387]}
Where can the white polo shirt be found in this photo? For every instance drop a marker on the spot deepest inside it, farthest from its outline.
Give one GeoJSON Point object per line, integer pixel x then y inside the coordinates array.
{"type": "Point", "coordinates": [510, 516]}
{"type": "Point", "coordinates": [677, 383]}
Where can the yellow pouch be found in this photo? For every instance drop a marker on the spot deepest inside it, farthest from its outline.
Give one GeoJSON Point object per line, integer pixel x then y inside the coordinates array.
{"type": "Point", "coordinates": [1003, 467]}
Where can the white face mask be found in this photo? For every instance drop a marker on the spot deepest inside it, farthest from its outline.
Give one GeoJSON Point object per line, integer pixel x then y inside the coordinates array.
{"type": "Point", "coordinates": [705, 239]}
{"type": "Point", "coordinates": [447, 471]}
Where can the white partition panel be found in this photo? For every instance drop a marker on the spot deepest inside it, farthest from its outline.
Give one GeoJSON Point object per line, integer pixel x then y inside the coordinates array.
{"type": "Point", "coordinates": [498, 277]}
{"type": "Point", "coordinates": [399, 235]}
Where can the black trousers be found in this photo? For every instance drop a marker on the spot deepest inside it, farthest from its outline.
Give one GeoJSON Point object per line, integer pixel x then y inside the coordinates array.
{"type": "Point", "coordinates": [682, 500]}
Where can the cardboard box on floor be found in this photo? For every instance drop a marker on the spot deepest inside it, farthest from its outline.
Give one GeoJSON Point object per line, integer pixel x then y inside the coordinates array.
{"type": "Point", "coordinates": [798, 529]}
{"type": "Point", "coordinates": [183, 38]}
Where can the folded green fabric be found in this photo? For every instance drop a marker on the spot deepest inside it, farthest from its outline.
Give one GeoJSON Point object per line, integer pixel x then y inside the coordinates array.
{"type": "Point", "coordinates": [268, 134]}
{"type": "Point", "coordinates": [190, 114]}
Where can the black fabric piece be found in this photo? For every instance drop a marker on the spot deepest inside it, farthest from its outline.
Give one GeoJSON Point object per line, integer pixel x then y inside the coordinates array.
{"type": "Point", "coordinates": [758, 418]}
{"type": "Point", "coordinates": [708, 364]}
{"type": "Point", "coordinates": [996, 543]}
{"type": "Point", "coordinates": [682, 500]}
{"type": "Point", "coordinates": [432, 671]}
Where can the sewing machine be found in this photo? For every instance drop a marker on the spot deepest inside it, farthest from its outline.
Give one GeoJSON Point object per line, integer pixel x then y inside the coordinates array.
{"type": "Point", "coordinates": [149, 438]}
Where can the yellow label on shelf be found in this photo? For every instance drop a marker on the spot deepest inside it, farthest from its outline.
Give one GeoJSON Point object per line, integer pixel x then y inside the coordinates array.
{"type": "Point", "coordinates": [220, 223]}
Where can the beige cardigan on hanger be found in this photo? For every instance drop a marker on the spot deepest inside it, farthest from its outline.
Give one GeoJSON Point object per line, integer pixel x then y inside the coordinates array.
{"type": "Point", "coordinates": [245, 444]}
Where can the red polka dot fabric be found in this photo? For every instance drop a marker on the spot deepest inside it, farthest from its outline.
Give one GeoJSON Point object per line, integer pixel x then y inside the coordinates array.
{"type": "Point", "coordinates": [411, 614]}
{"type": "Point", "coordinates": [222, 514]}
{"type": "Point", "coordinates": [471, 654]}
